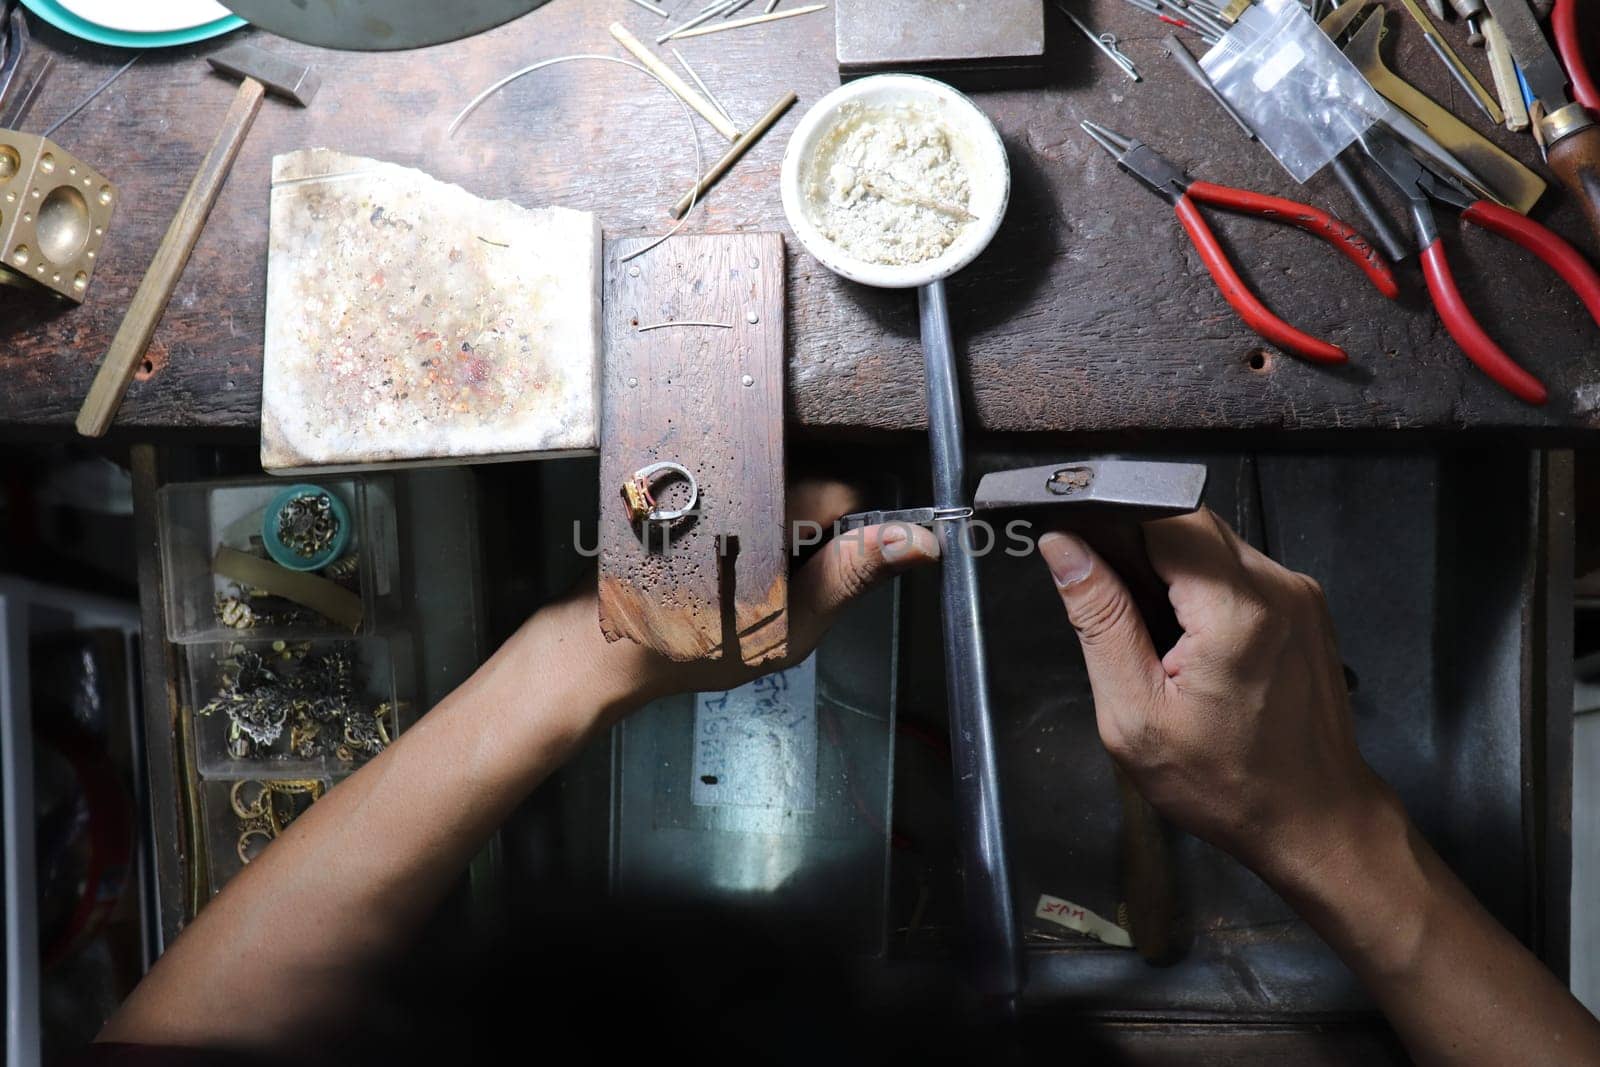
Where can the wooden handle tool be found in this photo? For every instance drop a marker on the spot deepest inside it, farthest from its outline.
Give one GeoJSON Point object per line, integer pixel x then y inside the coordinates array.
{"type": "Point", "coordinates": [734, 154]}
{"type": "Point", "coordinates": [161, 278]}
{"type": "Point", "coordinates": [260, 72]}
{"type": "Point", "coordinates": [1575, 159]}
{"type": "Point", "coordinates": [1149, 876]}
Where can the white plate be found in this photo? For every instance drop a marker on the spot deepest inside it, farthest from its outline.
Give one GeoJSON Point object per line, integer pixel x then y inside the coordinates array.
{"type": "Point", "coordinates": [974, 138]}
{"type": "Point", "coordinates": [147, 16]}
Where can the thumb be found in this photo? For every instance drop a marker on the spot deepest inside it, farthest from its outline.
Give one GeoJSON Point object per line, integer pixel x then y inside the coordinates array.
{"type": "Point", "coordinates": [1124, 670]}
{"type": "Point", "coordinates": [850, 565]}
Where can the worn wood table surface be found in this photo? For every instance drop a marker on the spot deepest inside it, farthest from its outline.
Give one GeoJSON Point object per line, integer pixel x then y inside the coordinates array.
{"type": "Point", "coordinates": [1090, 312]}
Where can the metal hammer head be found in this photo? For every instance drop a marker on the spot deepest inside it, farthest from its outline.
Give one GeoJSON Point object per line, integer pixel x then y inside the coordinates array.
{"type": "Point", "coordinates": [293, 81]}
{"type": "Point", "coordinates": [1128, 489]}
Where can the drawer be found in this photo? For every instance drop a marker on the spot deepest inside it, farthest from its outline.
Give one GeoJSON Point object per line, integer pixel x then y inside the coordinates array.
{"type": "Point", "coordinates": [1449, 577]}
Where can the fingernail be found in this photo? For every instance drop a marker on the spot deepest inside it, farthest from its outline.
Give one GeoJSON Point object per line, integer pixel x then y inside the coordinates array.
{"type": "Point", "coordinates": [1067, 557]}
{"type": "Point", "coordinates": [895, 542]}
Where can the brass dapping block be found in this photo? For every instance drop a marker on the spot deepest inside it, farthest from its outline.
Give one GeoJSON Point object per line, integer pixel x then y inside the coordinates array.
{"type": "Point", "coordinates": [54, 210]}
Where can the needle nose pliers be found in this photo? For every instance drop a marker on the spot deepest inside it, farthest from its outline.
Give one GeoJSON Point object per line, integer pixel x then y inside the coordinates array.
{"type": "Point", "coordinates": [1168, 180]}
{"type": "Point", "coordinates": [1421, 186]}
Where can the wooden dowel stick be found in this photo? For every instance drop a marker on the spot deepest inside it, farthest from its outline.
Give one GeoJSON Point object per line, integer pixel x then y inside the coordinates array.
{"type": "Point", "coordinates": [670, 77]}
{"type": "Point", "coordinates": [740, 147]}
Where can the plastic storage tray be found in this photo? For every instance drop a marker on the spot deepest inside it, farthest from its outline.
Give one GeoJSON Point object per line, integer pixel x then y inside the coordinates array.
{"type": "Point", "coordinates": [383, 672]}
{"type": "Point", "coordinates": [224, 827]}
{"type": "Point", "coordinates": [198, 517]}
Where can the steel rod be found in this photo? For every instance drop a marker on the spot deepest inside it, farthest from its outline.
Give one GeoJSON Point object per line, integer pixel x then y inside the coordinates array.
{"type": "Point", "coordinates": [991, 923]}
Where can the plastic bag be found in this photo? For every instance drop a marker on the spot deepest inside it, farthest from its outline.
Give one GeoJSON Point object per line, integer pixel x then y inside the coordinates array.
{"type": "Point", "coordinates": [1301, 96]}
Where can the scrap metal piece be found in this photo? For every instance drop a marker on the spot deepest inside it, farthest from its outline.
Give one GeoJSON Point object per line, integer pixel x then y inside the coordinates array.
{"type": "Point", "coordinates": [1106, 42]}
{"type": "Point", "coordinates": [54, 210]}
{"type": "Point", "coordinates": [49, 131]}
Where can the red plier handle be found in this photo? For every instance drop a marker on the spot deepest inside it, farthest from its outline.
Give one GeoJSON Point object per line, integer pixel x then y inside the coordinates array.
{"type": "Point", "coordinates": [1458, 317]}
{"type": "Point", "coordinates": [1569, 41]}
{"type": "Point", "coordinates": [1349, 243]}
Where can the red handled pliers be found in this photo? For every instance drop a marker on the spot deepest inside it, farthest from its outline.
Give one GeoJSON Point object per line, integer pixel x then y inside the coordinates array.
{"type": "Point", "coordinates": [1421, 186]}
{"type": "Point", "coordinates": [1168, 180]}
{"type": "Point", "coordinates": [1569, 42]}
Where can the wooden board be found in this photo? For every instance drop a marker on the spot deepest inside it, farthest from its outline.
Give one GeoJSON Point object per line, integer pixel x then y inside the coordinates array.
{"type": "Point", "coordinates": [1089, 313]}
{"type": "Point", "coordinates": [710, 399]}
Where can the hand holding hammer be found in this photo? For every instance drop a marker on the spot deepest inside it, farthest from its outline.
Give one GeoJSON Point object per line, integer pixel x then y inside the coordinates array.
{"type": "Point", "coordinates": [262, 73]}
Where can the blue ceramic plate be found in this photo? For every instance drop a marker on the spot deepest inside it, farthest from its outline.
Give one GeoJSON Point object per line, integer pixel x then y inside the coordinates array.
{"type": "Point", "coordinates": [64, 20]}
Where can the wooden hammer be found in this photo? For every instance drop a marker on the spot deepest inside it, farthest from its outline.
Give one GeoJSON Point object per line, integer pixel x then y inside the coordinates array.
{"type": "Point", "coordinates": [261, 73]}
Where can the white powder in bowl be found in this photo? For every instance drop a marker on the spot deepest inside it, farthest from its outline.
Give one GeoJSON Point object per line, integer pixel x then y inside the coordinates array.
{"type": "Point", "coordinates": [887, 186]}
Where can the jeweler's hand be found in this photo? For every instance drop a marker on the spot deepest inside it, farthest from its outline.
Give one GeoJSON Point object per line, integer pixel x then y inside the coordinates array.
{"type": "Point", "coordinates": [844, 568]}
{"type": "Point", "coordinates": [1242, 733]}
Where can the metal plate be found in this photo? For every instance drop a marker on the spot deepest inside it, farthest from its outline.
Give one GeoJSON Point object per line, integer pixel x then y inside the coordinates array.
{"type": "Point", "coordinates": [877, 35]}
{"type": "Point", "coordinates": [380, 25]}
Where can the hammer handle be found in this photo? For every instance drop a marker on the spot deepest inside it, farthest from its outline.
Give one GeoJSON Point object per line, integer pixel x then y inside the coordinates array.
{"type": "Point", "coordinates": [1576, 161]}
{"type": "Point", "coordinates": [161, 277]}
{"type": "Point", "coordinates": [1149, 874]}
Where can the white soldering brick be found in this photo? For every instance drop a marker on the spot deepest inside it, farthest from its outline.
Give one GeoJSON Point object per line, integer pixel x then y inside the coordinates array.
{"type": "Point", "coordinates": [410, 322]}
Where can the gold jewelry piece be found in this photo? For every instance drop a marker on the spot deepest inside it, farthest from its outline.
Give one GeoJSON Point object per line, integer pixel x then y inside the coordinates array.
{"type": "Point", "coordinates": [637, 493]}
{"type": "Point", "coordinates": [381, 712]}
{"type": "Point", "coordinates": [257, 808]}
{"type": "Point", "coordinates": [297, 786]}
{"type": "Point", "coordinates": [288, 789]}
{"type": "Point", "coordinates": [243, 846]}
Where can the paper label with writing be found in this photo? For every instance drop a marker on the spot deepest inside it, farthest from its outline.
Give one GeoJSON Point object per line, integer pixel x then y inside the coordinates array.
{"type": "Point", "coordinates": [756, 746]}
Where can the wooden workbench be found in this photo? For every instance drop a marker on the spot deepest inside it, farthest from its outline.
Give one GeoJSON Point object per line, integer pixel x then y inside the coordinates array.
{"type": "Point", "coordinates": [1090, 312]}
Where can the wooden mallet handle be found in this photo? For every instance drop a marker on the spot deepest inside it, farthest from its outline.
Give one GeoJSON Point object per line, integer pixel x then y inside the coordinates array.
{"type": "Point", "coordinates": [161, 277]}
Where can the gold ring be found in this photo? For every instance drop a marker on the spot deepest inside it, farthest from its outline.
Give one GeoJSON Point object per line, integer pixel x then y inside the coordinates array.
{"type": "Point", "coordinates": [256, 809]}
{"type": "Point", "coordinates": [244, 843]}
{"type": "Point", "coordinates": [637, 493]}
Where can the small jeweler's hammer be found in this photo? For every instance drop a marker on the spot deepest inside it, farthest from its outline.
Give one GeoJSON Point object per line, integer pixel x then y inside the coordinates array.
{"type": "Point", "coordinates": [1108, 498]}
{"type": "Point", "coordinates": [262, 73]}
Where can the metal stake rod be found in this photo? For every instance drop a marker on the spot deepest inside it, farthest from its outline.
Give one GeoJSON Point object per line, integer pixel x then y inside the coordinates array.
{"type": "Point", "coordinates": [986, 879]}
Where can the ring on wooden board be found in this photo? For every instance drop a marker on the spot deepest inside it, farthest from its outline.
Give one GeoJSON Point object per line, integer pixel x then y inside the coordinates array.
{"type": "Point", "coordinates": [638, 494]}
